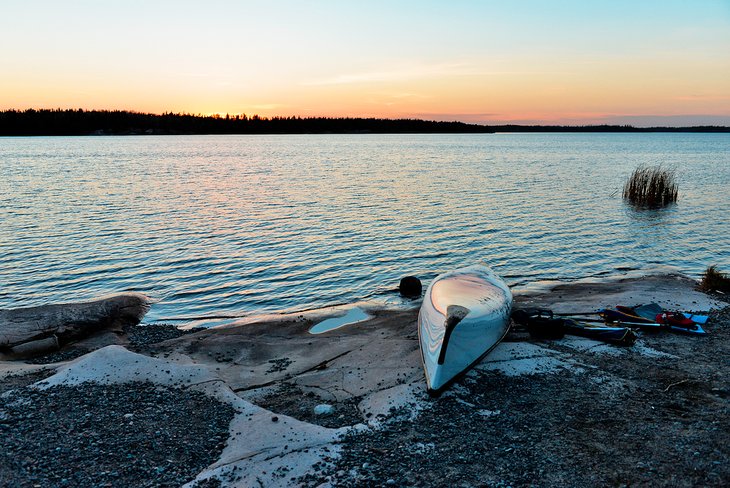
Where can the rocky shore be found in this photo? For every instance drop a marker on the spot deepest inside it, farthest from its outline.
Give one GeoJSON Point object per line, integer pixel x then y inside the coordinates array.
{"type": "Point", "coordinates": [265, 403]}
{"type": "Point", "coordinates": [133, 434]}
{"type": "Point", "coordinates": [612, 418]}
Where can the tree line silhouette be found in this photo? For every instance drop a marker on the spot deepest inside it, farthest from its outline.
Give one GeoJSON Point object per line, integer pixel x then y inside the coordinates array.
{"type": "Point", "coordinates": [120, 122]}
{"type": "Point", "coordinates": [66, 122]}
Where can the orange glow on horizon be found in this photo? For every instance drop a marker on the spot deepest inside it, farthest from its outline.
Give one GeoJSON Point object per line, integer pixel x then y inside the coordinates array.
{"type": "Point", "coordinates": [483, 62]}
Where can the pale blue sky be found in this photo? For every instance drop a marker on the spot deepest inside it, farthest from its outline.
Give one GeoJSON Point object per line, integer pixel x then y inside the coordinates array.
{"type": "Point", "coordinates": [482, 61]}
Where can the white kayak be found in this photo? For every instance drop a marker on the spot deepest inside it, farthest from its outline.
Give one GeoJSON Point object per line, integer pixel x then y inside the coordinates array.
{"type": "Point", "coordinates": [464, 315]}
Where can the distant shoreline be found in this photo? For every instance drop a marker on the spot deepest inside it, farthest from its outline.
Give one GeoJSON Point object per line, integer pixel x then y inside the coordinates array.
{"type": "Point", "coordinates": [117, 122]}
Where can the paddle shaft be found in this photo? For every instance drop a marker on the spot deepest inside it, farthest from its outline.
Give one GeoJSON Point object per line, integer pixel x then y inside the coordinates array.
{"type": "Point", "coordinates": [700, 319]}
{"type": "Point", "coordinates": [600, 321]}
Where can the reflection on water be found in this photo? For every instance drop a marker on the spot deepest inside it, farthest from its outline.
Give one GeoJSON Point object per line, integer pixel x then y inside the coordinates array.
{"type": "Point", "coordinates": [229, 225]}
{"type": "Point", "coordinates": [650, 216]}
{"type": "Point", "coordinates": [650, 226]}
{"type": "Point", "coordinates": [353, 316]}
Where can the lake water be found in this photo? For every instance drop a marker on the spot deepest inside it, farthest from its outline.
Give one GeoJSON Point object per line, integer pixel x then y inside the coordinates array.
{"type": "Point", "coordinates": [234, 225]}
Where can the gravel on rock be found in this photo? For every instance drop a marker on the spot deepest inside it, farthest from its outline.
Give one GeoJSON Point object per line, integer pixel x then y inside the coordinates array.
{"type": "Point", "coordinates": [143, 335]}
{"type": "Point", "coordinates": [134, 434]}
{"type": "Point", "coordinates": [289, 399]}
{"type": "Point", "coordinates": [20, 380]}
{"type": "Point", "coordinates": [66, 354]}
{"type": "Point", "coordinates": [627, 420]}
{"type": "Point", "coordinates": [141, 338]}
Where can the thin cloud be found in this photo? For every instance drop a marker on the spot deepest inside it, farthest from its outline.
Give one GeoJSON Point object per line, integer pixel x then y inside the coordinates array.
{"type": "Point", "coordinates": [400, 74]}
{"type": "Point", "coordinates": [408, 95]}
{"type": "Point", "coordinates": [424, 71]}
{"type": "Point", "coordinates": [610, 119]}
{"type": "Point", "coordinates": [268, 106]}
{"type": "Point", "coordinates": [701, 98]}
{"type": "Point", "coordinates": [451, 114]}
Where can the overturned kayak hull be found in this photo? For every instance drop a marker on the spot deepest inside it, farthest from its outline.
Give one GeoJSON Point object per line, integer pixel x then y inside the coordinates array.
{"type": "Point", "coordinates": [465, 314]}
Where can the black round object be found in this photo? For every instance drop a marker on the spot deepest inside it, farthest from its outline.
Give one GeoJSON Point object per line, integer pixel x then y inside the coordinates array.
{"type": "Point", "coordinates": [410, 287]}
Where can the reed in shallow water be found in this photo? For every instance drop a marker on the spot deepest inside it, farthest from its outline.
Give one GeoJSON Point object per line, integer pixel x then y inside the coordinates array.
{"type": "Point", "coordinates": [714, 280]}
{"type": "Point", "coordinates": [651, 187]}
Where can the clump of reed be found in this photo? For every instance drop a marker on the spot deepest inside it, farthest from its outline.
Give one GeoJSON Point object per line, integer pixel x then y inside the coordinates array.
{"type": "Point", "coordinates": [714, 280]}
{"type": "Point", "coordinates": [651, 187]}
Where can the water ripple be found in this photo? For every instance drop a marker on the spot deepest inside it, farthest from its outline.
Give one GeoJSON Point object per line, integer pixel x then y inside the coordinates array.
{"type": "Point", "coordinates": [216, 225]}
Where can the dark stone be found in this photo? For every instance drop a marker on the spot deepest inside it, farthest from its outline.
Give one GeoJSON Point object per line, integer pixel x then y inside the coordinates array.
{"type": "Point", "coordinates": [410, 287]}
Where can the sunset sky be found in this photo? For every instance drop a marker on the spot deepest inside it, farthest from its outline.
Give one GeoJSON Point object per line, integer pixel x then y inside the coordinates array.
{"type": "Point", "coordinates": [653, 62]}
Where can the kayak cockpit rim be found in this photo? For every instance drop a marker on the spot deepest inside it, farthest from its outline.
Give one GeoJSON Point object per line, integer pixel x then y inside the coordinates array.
{"type": "Point", "coordinates": [454, 315]}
